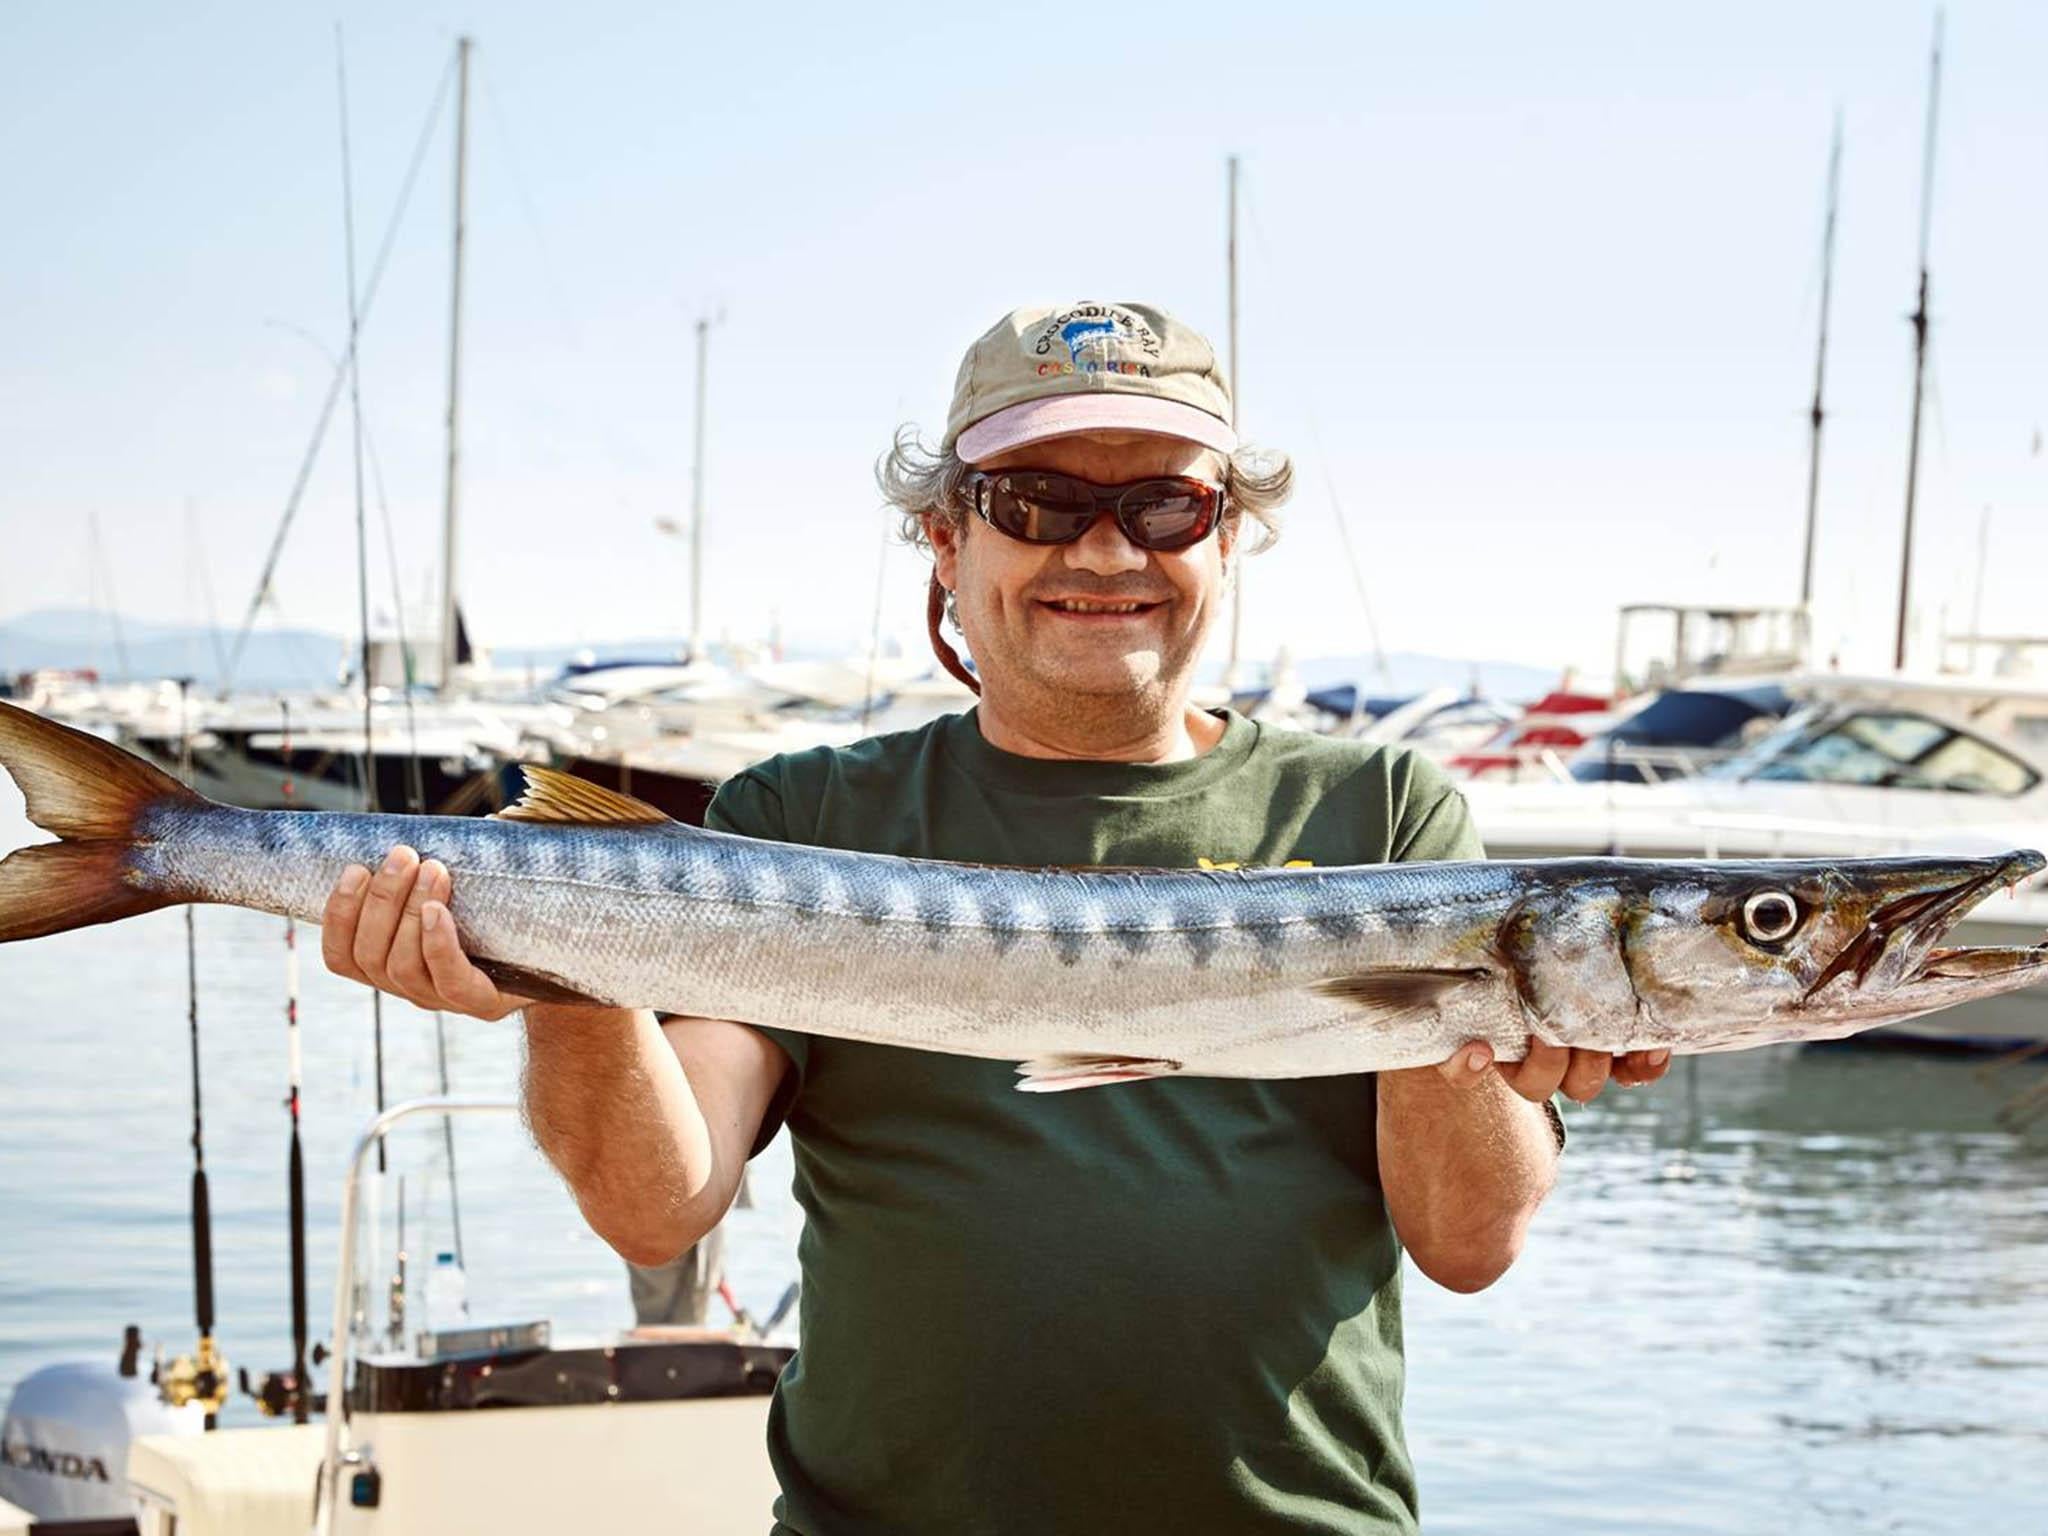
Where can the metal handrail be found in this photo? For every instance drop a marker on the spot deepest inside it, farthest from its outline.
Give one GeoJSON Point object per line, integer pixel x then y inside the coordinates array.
{"type": "Point", "coordinates": [345, 1279]}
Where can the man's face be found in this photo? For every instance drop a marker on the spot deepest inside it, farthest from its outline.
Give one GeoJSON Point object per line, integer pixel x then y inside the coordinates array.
{"type": "Point", "coordinates": [1025, 608]}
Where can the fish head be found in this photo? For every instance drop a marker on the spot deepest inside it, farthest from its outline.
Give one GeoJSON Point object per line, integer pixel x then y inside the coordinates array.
{"type": "Point", "coordinates": [1743, 953]}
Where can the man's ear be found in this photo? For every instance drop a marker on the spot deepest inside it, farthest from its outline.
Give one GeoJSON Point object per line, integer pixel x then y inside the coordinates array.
{"type": "Point", "coordinates": [945, 536]}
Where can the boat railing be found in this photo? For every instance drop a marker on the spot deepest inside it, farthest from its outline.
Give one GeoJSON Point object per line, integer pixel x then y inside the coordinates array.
{"type": "Point", "coordinates": [345, 1278]}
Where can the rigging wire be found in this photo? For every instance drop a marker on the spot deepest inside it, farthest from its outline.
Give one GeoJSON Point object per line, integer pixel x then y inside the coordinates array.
{"type": "Point", "coordinates": [416, 804]}
{"type": "Point", "coordinates": [339, 376]}
{"type": "Point", "coordinates": [362, 523]}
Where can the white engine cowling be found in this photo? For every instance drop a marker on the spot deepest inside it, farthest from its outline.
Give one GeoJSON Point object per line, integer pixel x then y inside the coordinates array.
{"type": "Point", "coordinates": [64, 1446]}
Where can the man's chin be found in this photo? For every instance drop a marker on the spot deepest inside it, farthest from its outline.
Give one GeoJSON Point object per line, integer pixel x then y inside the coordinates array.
{"type": "Point", "coordinates": [1108, 676]}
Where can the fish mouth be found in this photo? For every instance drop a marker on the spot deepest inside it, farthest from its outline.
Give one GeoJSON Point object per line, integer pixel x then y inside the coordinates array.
{"type": "Point", "coordinates": [1899, 948]}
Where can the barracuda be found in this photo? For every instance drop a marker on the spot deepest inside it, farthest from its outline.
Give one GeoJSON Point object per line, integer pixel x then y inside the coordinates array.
{"type": "Point", "coordinates": [1081, 976]}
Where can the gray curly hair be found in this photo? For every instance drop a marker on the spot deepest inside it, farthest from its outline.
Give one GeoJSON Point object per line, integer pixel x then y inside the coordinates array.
{"type": "Point", "coordinates": [921, 481]}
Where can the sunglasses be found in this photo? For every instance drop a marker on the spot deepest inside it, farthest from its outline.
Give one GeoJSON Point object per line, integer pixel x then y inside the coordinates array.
{"type": "Point", "coordinates": [1166, 514]}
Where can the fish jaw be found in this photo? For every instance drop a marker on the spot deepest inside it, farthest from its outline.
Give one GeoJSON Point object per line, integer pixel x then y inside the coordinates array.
{"type": "Point", "coordinates": [1896, 967]}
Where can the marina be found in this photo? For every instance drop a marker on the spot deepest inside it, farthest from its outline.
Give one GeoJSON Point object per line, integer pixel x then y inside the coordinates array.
{"type": "Point", "coordinates": [575, 519]}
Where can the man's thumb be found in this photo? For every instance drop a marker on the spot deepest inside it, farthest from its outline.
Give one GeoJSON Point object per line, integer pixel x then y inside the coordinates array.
{"type": "Point", "coordinates": [1467, 1065]}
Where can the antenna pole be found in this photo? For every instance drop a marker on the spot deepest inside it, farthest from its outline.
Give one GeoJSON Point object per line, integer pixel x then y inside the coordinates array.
{"type": "Point", "coordinates": [1919, 346]}
{"type": "Point", "coordinates": [697, 502]}
{"type": "Point", "coordinates": [1820, 361]}
{"type": "Point", "coordinates": [450, 621]}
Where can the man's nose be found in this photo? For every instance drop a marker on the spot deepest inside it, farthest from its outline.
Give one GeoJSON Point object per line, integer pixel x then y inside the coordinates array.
{"type": "Point", "coordinates": [1104, 550]}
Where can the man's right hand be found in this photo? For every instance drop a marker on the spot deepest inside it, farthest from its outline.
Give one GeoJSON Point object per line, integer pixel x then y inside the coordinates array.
{"type": "Point", "coordinates": [393, 931]}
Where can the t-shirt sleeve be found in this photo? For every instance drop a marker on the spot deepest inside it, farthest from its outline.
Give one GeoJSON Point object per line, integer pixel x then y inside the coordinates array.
{"type": "Point", "coordinates": [1434, 821]}
{"type": "Point", "coordinates": [750, 805]}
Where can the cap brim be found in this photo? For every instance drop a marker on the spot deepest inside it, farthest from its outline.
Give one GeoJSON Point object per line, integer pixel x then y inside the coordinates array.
{"type": "Point", "coordinates": [1033, 421]}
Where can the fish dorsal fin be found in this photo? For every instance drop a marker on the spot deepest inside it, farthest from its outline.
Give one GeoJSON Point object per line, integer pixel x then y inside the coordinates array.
{"type": "Point", "coordinates": [552, 795]}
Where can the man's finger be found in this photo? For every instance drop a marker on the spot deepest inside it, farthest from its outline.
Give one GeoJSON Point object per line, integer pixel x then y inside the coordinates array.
{"type": "Point", "coordinates": [1640, 1067]}
{"type": "Point", "coordinates": [1536, 1076]}
{"type": "Point", "coordinates": [338, 922]}
{"type": "Point", "coordinates": [408, 966]}
{"type": "Point", "coordinates": [1586, 1075]}
{"type": "Point", "coordinates": [382, 908]}
{"type": "Point", "coordinates": [1467, 1065]}
{"type": "Point", "coordinates": [467, 989]}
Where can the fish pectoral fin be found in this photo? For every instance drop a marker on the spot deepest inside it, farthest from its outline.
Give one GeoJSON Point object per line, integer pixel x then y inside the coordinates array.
{"type": "Point", "coordinates": [538, 985]}
{"type": "Point", "coordinates": [552, 795]}
{"type": "Point", "coordinates": [1057, 1073]}
{"type": "Point", "coordinates": [1399, 991]}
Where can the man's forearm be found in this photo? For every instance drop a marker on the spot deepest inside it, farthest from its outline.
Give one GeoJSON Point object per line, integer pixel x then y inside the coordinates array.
{"type": "Point", "coordinates": [610, 1105]}
{"type": "Point", "coordinates": [1463, 1170]}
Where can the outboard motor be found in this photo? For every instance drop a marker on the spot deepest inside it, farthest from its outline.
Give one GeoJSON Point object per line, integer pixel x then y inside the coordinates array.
{"type": "Point", "coordinates": [64, 1446]}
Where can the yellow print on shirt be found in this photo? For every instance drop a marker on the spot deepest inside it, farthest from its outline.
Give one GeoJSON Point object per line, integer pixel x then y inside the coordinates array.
{"type": "Point", "coordinates": [1202, 863]}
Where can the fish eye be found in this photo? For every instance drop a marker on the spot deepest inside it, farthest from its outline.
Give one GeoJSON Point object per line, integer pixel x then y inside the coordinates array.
{"type": "Point", "coordinates": [1769, 916]}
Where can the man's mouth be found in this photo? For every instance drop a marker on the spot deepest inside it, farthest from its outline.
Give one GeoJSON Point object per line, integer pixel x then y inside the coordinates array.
{"type": "Point", "coordinates": [1096, 607]}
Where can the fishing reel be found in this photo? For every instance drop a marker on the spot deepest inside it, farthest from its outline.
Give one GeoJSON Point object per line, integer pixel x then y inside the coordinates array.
{"type": "Point", "coordinates": [201, 1377]}
{"type": "Point", "coordinates": [280, 1395]}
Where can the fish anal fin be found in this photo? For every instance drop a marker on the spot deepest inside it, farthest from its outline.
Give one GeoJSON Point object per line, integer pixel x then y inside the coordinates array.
{"type": "Point", "coordinates": [537, 985]}
{"type": "Point", "coordinates": [1399, 991]}
{"type": "Point", "coordinates": [554, 796]}
{"type": "Point", "coordinates": [1057, 1073]}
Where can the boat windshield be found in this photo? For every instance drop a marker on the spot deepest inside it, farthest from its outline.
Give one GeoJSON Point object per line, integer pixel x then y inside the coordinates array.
{"type": "Point", "coordinates": [1888, 748]}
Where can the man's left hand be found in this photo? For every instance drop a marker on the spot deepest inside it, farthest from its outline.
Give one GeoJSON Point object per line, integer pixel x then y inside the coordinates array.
{"type": "Point", "coordinates": [1548, 1069]}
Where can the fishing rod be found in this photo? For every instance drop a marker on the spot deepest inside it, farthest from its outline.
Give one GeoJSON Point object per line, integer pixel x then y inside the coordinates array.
{"type": "Point", "coordinates": [290, 1392]}
{"type": "Point", "coordinates": [201, 1377]}
{"type": "Point", "coordinates": [295, 1157]}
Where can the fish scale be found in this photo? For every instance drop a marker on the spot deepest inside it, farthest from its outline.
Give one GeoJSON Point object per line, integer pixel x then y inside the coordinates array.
{"type": "Point", "coordinates": [1084, 976]}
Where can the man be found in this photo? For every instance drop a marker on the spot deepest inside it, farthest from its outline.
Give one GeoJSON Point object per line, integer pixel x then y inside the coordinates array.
{"type": "Point", "coordinates": [1154, 1306]}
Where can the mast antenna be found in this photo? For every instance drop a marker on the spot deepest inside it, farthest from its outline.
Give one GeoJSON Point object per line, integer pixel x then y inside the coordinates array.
{"type": "Point", "coordinates": [450, 618]}
{"type": "Point", "coordinates": [1919, 344]}
{"type": "Point", "coordinates": [697, 501]}
{"type": "Point", "coordinates": [1820, 361]}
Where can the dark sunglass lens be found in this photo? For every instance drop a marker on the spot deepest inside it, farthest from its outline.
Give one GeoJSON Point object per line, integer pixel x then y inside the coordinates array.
{"type": "Point", "coordinates": [1168, 514]}
{"type": "Point", "coordinates": [1041, 509]}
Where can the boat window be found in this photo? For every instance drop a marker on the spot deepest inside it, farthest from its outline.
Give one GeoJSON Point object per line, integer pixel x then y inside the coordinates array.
{"type": "Point", "coordinates": [1968, 765]}
{"type": "Point", "coordinates": [1892, 749]}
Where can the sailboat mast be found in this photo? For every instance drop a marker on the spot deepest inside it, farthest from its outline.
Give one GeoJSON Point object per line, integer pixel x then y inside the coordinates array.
{"type": "Point", "coordinates": [450, 622]}
{"type": "Point", "coordinates": [697, 503]}
{"type": "Point", "coordinates": [1231, 677]}
{"type": "Point", "coordinates": [1820, 362]}
{"type": "Point", "coordinates": [1919, 345]}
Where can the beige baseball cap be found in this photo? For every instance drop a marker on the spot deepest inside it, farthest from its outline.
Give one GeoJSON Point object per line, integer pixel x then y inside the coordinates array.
{"type": "Point", "coordinates": [1054, 370]}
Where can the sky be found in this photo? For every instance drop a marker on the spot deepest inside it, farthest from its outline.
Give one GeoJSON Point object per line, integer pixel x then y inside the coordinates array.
{"type": "Point", "coordinates": [1530, 292]}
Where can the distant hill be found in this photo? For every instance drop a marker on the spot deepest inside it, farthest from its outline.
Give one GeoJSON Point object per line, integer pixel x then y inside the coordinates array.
{"type": "Point", "coordinates": [307, 658]}
{"type": "Point", "coordinates": [125, 649]}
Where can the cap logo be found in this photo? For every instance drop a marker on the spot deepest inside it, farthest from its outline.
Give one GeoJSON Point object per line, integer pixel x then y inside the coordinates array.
{"type": "Point", "coordinates": [1097, 338]}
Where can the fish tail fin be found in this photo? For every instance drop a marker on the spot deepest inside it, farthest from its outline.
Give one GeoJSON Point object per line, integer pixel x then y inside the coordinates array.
{"type": "Point", "coordinates": [91, 794]}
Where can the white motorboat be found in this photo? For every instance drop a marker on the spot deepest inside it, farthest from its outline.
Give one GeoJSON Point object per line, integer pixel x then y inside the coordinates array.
{"type": "Point", "coordinates": [1864, 766]}
{"type": "Point", "coordinates": [487, 1427]}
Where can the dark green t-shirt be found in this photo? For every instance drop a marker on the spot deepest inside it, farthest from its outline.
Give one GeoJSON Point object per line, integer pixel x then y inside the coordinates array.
{"type": "Point", "coordinates": [1166, 1306]}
